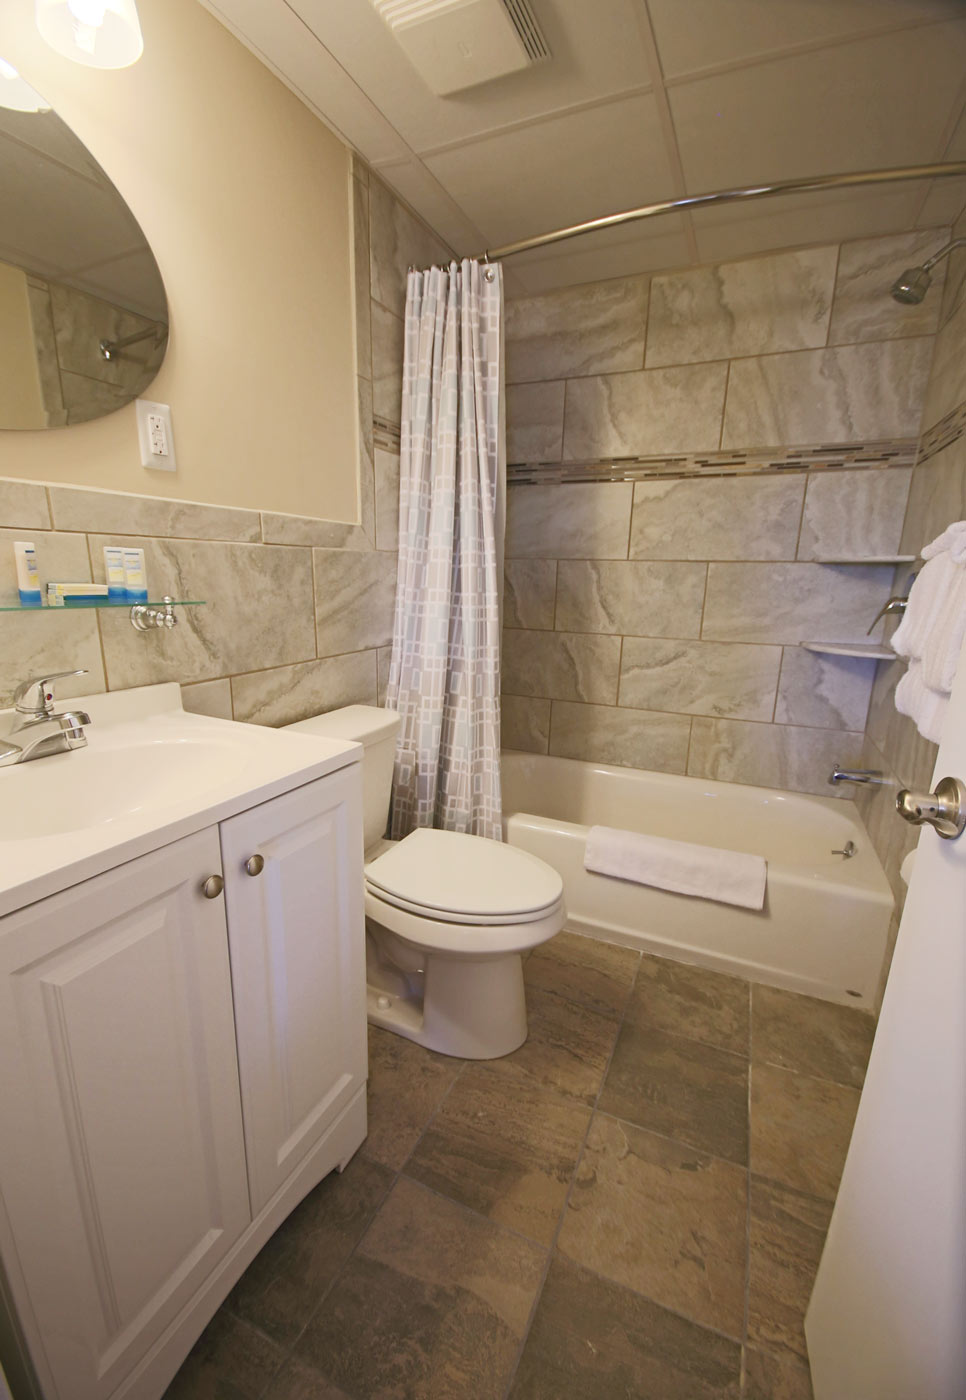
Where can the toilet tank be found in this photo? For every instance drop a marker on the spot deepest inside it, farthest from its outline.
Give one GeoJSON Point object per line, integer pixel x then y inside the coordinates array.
{"type": "Point", "coordinates": [376, 730]}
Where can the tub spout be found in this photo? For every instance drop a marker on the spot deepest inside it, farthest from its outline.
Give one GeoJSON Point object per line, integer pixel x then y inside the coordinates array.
{"type": "Point", "coordinates": [855, 775]}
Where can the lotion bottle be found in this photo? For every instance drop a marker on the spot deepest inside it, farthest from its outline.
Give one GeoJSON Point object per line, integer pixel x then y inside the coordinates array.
{"type": "Point", "coordinates": [28, 580]}
{"type": "Point", "coordinates": [135, 582]}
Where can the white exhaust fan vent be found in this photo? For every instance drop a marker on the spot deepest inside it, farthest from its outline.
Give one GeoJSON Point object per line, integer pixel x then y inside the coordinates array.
{"type": "Point", "coordinates": [457, 44]}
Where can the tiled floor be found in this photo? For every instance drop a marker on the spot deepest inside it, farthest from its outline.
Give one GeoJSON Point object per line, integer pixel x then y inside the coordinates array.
{"type": "Point", "coordinates": [631, 1205]}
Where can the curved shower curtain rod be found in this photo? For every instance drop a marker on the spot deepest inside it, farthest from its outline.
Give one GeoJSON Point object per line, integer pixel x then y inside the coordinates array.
{"type": "Point", "coordinates": [704, 201]}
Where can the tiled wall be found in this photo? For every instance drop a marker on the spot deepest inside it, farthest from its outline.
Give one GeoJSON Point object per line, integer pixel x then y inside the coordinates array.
{"type": "Point", "coordinates": [936, 498]}
{"type": "Point", "coordinates": [298, 617]}
{"type": "Point", "coordinates": [655, 622]}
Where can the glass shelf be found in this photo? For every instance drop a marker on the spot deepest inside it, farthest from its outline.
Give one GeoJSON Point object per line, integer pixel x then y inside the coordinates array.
{"type": "Point", "coordinates": [103, 603]}
{"type": "Point", "coordinates": [870, 651]}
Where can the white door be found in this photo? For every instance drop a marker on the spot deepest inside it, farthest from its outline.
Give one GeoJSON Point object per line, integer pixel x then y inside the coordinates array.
{"type": "Point", "coordinates": [887, 1319]}
{"type": "Point", "coordinates": [297, 937]}
{"type": "Point", "coordinates": [122, 1167]}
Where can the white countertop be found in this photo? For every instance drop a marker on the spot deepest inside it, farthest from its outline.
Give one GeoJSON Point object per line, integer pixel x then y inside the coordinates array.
{"type": "Point", "coordinates": [150, 774]}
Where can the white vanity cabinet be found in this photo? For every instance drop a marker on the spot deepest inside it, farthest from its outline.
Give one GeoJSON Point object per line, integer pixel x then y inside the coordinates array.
{"type": "Point", "coordinates": [177, 1072]}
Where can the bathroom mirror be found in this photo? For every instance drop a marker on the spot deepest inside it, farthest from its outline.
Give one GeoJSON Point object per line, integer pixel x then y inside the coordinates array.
{"type": "Point", "coordinates": [83, 315]}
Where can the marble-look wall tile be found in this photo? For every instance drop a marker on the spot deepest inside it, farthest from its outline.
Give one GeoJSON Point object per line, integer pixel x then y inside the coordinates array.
{"type": "Point", "coordinates": [290, 693]}
{"type": "Point", "coordinates": [771, 755]}
{"type": "Point", "coordinates": [595, 329]}
{"type": "Point", "coordinates": [954, 287]}
{"type": "Point", "coordinates": [387, 498]}
{"type": "Point", "coordinates": [863, 308]}
{"type": "Point", "coordinates": [630, 738]}
{"type": "Point", "coordinates": [937, 497]}
{"type": "Point", "coordinates": [360, 272]}
{"type": "Point", "coordinates": [824, 692]}
{"type": "Point", "coordinates": [383, 662]}
{"type": "Point", "coordinates": [653, 411]}
{"type": "Point", "coordinates": [641, 599]}
{"type": "Point", "coordinates": [749, 517]}
{"type": "Point", "coordinates": [561, 666]}
{"type": "Point", "coordinates": [112, 513]}
{"type": "Point", "coordinates": [756, 307]}
{"type": "Point", "coordinates": [854, 515]}
{"type": "Point", "coordinates": [23, 505]}
{"type": "Point", "coordinates": [525, 723]}
{"type": "Point", "coordinates": [387, 364]}
{"type": "Point", "coordinates": [37, 646]}
{"type": "Point", "coordinates": [354, 599]}
{"type": "Point", "coordinates": [366, 460]}
{"type": "Point", "coordinates": [947, 381]}
{"type": "Point", "coordinates": [911, 757]}
{"type": "Point", "coordinates": [848, 394]}
{"type": "Point", "coordinates": [728, 680]}
{"type": "Point", "coordinates": [576, 521]}
{"type": "Point", "coordinates": [529, 593]}
{"type": "Point", "coordinates": [258, 610]}
{"type": "Point", "coordinates": [311, 530]}
{"type": "Point", "coordinates": [792, 603]}
{"type": "Point", "coordinates": [399, 241]}
{"type": "Point", "coordinates": [208, 698]}
{"type": "Point", "coordinates": [534, 422]}
{"type": "Point", "coordinates": [61, 558]}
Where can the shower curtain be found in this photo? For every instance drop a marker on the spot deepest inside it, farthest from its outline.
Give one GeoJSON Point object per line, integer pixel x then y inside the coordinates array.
{"type": "Point", "coordinates": [444, 677]}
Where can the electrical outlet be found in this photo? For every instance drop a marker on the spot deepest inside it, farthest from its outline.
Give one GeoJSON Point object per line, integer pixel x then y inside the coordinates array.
{"type": "Point", "coordinates": [155, 436]}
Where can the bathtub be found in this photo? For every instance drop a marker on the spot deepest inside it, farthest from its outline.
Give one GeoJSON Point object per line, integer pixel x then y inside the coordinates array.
{"type": "Point", "coordinates": [824, 926]}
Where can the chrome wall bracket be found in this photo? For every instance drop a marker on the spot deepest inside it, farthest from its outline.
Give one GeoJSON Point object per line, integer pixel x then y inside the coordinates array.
{"type": "Point", "coordinates": [143, 618]}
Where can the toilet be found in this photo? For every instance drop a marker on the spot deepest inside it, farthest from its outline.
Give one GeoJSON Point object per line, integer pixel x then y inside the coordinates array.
{"type": "Point", "coordinates": [448, 916]}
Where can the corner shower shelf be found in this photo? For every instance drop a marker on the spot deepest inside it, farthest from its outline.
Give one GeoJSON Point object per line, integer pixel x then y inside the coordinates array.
{"type": "Point", "coordinates": [871, 559]}
{"type": "Point", "coordinates": [869, 651]}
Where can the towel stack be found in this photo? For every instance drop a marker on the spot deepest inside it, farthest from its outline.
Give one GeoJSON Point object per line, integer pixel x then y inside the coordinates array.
{"type": "Point", "coordinates": [932, 632]}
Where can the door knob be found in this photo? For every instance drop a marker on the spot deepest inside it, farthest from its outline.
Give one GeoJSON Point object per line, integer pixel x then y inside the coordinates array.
{"type": "Point", "coordinates": [255, 864]}
{"type": "Point", "coordinates": [944, 809]}
{"type": "Point", "coordinates": [212, 887]}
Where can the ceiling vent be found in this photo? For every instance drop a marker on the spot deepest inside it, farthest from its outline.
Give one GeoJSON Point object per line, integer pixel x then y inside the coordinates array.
{"type": "Point", "coordinates": [458, 44]}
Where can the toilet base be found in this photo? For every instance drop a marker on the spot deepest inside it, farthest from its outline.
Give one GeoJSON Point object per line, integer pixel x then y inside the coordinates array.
{"type": "Point", "coordinates": [471, 1008]}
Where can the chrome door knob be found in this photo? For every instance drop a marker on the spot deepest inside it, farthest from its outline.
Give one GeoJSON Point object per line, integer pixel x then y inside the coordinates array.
{"type": "Point", "coordinates": [255, 864]}
{"type": "Point", "coordinates": [944, 809]}
{"type": "Point", "coordinates": [212, 887]}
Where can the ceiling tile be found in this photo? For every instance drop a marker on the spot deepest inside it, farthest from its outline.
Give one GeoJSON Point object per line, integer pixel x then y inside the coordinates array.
{"type": "Point", "coordinates": [794, 220]}
{"type": "Point", "coordinates": [696, 34]}
{"type": "Point", "coordinates": [882, 102]}
{"type": "Point", "coordinates": [943, 204]}
{"type": "Point", "coordinates": [595, 257]}
{"type": "Point", "coordinates": [560, 171]}
{"type": "Point", "coordinates": [596, 52]}
{"type": "Point", "coordinates": [413, 183]}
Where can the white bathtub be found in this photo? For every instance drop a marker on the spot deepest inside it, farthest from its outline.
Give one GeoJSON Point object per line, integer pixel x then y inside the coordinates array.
{"type": "Point", "coordinates": [825, 922]}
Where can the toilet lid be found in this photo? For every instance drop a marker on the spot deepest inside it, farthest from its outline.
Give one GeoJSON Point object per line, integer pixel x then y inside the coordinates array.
{"type": "Point", "coordinates": [448, 874]}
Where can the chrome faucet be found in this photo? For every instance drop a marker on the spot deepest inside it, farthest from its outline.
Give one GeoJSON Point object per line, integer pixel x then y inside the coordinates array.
{"type": "Point", "coordinates": [855, 775]}
{"type": "Point", "coordinates": [40, 730]}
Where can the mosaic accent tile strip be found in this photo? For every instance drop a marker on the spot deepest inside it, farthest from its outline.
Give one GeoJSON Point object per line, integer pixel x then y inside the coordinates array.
{"type": "Point", "coordinates": [385, 434]}
{"type": "Point", "coordinates": [944, 433]}
{"type": "Point", "coordinates": [823, 457]}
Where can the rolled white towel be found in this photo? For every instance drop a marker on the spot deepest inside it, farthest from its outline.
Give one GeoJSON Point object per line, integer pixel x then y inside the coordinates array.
{"type": "Point", "coordinates": [953, 539]}
{"type": "Point", "coordinates": [940, 656]}
{"type": "Point", "coordinates": [728, 876]}
{"type": "Point", "coordinates": [926, 600]}
{"type": "Point", "coordinates": [924, 706]}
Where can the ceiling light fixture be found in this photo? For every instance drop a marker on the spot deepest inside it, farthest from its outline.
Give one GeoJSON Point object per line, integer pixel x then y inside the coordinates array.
{"type": "Point", "coordinates": [16, 94]}
{"type": "Point", "coordinates": [99, 33]}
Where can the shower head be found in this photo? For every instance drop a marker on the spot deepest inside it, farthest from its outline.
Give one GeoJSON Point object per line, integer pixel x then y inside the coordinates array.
{"type": "Point", "coordinates": [913, 285]}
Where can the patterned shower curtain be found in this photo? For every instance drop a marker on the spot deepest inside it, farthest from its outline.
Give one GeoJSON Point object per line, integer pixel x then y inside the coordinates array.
{"type": "Point", "coordinates": [444, 678]}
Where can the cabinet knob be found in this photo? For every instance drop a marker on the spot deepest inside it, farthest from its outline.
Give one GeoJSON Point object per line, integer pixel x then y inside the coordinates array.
{"type": "Point", "coordinates": [212, 887]}
{"type": "Point", "coordinates": [255, 864]}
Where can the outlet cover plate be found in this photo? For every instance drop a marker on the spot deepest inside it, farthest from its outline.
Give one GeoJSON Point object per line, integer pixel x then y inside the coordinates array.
{"type": "Point", "coordinates": [148, 440]}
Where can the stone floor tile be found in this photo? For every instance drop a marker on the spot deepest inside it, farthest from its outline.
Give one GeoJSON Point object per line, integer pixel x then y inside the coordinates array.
{"type": "Point", "coordinates": [434, 1304]}
{"type": "Point", "coordinates": [229, 1361]}
{"type": "Point", "coordinates": [800, 1129]}
{"type": "Point", "coordinates": [406, 1084]}
{"type": "Point", "coordinates": [282, 1286]}
{"type": "Point", "coordinates": [503, 1148]}
{"type": "Point", "coordinates": [596, 974]}
{"type": "Point", "coordinates": [682, 1088]}
{"type": "Point", "coordinates": [297, 1382]}
{"type": "Point", "coordinates": [567, 1049]}
{"type": "Point", "coordinates": [773, 1375]}
{"type": "Point", "coordinates": [593, 1340]}
{"type": "Point", "coordinates": [662, 1219]}
{"type": "Point", "coordinates": [691, 1001]}
{"type": "Point", "coordinates": [786, 1235]}
{"type": "Point", "coordinates": [809, 1035]}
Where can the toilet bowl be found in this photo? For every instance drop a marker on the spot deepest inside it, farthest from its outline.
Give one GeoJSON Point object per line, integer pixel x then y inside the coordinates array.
{"type": "Point", "coordinates": [448, 916]}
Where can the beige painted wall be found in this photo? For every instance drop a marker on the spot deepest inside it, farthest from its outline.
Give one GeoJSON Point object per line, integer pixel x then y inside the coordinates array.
{"type": "Point", "coordinates": [20, 398]}
{"type": "Point", "coordinates": [244, 197]}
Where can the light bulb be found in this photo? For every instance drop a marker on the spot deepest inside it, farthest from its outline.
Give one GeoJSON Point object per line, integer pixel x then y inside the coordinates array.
{"type": "Point", "coordinates": [16, 94]}
{"type": "Point", "coordinates": [100, 33]}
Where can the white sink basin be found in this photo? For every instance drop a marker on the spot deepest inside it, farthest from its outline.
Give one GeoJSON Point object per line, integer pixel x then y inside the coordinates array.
{"type": "Point", "coordinates": [150, 773]}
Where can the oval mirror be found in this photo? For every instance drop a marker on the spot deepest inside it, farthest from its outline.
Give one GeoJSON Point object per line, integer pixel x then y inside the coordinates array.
{"type": "Point", "coordinates": [83, 315]}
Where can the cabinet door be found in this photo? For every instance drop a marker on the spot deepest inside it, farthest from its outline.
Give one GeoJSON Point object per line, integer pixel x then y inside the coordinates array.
{"type": "Point", "coordinates": [297, 937]}
{"type": "Point", "coordinates": [121, 1156]}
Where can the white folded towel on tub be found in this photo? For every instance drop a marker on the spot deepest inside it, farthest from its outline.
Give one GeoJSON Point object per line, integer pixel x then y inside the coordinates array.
{"type": "Point", "coordinates": [727, 876]}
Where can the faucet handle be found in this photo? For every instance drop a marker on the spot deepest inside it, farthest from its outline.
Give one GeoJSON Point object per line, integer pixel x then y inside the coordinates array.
{"type": "Point", "coordinates": [36, 697]}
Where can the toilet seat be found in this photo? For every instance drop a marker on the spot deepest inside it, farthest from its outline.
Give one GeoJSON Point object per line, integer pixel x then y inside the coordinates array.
{"type": "Point", "coordinates": [452, 878]}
